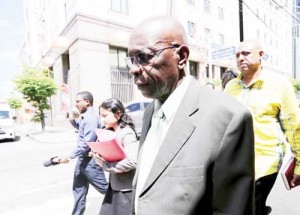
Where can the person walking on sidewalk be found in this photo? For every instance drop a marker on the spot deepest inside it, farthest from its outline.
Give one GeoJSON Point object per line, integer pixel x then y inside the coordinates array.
{"type": "Point", "coordinates": [196, 152]}
{"type": "Point", "coordinates": [87, 171]}
{"type": "Point", "coordinates": [227, 76]}
{"type": "Point", "coordinates": [118, 198]}
{"type": "Point", "coordinates": [272, 102]}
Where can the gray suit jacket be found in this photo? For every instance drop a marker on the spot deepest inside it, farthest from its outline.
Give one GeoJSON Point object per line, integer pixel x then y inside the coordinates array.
{"type": "Point", "coordinates": [206, 162]}
{"type": "Point", "coordinates": [122, 172]}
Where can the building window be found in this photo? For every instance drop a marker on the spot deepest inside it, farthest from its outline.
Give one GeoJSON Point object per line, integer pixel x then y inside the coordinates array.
{"type": "Point", "coordinates": [296, 31]}
{"type": "Point", "coordinates": [120, 6]}
{"type": "Point", "coordinates": [121, 80]}
{"type": "Point", "coordinates": [66, 13]}
{"type": "Point", "coordinates": [221, 13]}
{"type": "Point", "coordinates": [117, 57]}
{"type": "Point", "coordinates": [192, 2]}
{"type": "Point", "coordinates": [194, 69]}
{"type": "Point", "coordinates": [207, 35]}
{"type": "Point", "coordinates": [298, 9]}
{"type": "Point", "coordinates": [221, 39]}
{"type": "Point", "coordinates": [265, 37]}
{"type": "Point", "coordinates": [66, 68]}
{"type": "Point", "coordinates": [207, 6]}
{"type": "Point", "coordinates": [191, 29]}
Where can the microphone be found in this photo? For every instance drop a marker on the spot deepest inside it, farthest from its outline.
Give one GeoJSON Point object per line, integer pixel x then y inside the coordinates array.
{"type": "Point", "coordinates": [51, 162]}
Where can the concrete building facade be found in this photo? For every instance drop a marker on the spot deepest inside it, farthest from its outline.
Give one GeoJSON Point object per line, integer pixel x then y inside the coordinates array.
{"type": "Point", "coordinates": [296, 39]}
{"type": "Point", "coordinates": [85, 42]}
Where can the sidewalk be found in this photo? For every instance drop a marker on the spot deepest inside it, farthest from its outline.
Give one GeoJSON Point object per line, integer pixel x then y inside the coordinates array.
{"type": "Point", "coordinates": [52, 134]}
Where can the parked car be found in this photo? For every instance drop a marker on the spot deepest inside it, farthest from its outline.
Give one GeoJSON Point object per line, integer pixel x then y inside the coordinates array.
{"type": "Point", "coordinates": [136, 110]}
{"type": "Point", "coordinates": [7, 121]}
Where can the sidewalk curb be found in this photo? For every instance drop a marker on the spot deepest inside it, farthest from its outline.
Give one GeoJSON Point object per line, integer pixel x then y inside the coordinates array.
{"type": "Point", "coordinates": [50, 135]}
{"type": "Point", "coordinates": [53, 137]}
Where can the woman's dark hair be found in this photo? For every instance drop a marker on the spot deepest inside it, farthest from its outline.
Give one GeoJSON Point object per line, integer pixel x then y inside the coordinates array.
{"type": "Point", "coordinates": [227, 76]}
{"type": "Point", "coordinates": [115, 106]}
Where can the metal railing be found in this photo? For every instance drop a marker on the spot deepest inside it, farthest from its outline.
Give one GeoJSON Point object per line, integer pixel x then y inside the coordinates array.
{"type": "Point", "coordinates": [121, 84]}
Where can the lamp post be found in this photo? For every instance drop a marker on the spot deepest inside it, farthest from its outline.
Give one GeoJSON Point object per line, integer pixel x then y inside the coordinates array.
{"type": "Point", "coordinates": [241, 24]}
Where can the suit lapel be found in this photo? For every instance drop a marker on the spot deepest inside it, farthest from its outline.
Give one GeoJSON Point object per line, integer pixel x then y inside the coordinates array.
{"type": "Point", "coordinates": [146, 126]}
{"type": "Point", "coordinates": [173, 143]}
{"type": "Point", "coordinates": [147, 121]}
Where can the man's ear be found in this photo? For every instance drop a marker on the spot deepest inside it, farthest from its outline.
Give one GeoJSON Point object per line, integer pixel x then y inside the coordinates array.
{"type": "Point", "coordinates": [88, 103]}
{"type": "Point", "coordinates": [183, 53]}
{"type": "Point", "coordinates": [261, 54]}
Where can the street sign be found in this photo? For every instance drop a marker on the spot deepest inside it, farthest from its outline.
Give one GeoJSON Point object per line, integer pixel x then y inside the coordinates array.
{"type": "Point", "coordinates": [222, 53]}
{"type": "Point", "coordinates": [265, 57]}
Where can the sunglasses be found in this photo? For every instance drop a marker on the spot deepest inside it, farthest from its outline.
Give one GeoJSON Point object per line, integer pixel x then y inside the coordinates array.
{"type": "Point", "coordinates": [143, 59]}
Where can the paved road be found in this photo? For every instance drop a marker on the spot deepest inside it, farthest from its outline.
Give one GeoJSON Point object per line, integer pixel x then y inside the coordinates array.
{"type": "Point", "coordinates": [282, 201]}
{"type": "Point", "coordinates": [28, 188]}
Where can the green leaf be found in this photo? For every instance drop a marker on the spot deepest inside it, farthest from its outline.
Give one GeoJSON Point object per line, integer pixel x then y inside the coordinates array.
{"type": "Point", "coordinates": [37, 87]}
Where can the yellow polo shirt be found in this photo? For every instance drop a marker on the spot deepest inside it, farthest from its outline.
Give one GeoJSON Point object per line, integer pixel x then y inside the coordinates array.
{"type": "Point", "coordinates": [276, 119]}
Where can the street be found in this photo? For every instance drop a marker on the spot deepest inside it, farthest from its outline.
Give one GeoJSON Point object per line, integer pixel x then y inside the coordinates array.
{"type": "Point", "coordinates": [29, 188]}
{"type": "Point", "coordinates": [284, 201]}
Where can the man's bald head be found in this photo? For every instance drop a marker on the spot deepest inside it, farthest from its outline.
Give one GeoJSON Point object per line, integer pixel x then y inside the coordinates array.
{"type": "Point", "coordinates": [251, 44]}
{"type": "Point", "coordinates": [161, 29]}
{"type": "Point", "coordinates": [249, 54]}
{"type": "Point", "coordinates": [158, 55]}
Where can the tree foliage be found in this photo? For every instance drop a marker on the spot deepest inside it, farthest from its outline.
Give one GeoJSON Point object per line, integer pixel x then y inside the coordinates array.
{"type": "Point", "coordinates": [296, 84]}
{"type": "Point", "coordinates": [37, 88]}
{"type": "Point", "coordinates": [14, 103]}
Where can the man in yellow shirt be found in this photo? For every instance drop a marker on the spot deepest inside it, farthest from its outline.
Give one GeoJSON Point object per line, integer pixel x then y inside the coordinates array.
{"type": "Point", "coordinates": [276, 118]}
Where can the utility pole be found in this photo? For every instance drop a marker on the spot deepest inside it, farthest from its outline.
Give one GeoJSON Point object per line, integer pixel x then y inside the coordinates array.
{"type": "Point", "coordinates": [241, 20]}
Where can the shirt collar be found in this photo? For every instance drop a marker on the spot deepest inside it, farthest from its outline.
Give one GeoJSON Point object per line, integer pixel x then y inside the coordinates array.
{"type": "Point", "coordinates": [171, 105]}
{"type": "Point", "coordinates": [88, 110]}
{"type": "Point", "coordinates": [263, 76]}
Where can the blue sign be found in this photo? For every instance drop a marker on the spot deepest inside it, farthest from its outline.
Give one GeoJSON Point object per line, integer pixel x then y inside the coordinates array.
{"type": "Point", "coordinates": [265, 57]}
{"type": "Point", "coordinates": [222, 53]}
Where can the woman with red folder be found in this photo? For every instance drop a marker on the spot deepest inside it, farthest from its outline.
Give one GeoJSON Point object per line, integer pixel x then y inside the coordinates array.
{"type": "Point", "coordinates": [117, 200]}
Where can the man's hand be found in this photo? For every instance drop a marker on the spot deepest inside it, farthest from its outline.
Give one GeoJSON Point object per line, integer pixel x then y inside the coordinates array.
{"type": "Point", "coordinates": [74, 114]}
{"type": "Point", "coordinates": [64, 160]}
{"type": "Point", "coordinates": [296, 180]}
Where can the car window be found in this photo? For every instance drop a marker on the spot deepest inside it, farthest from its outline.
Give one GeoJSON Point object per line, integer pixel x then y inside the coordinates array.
{"type": "Point", "coordinates": [4, 114]}
{"type": "Point", "coordinates": [134, 107]}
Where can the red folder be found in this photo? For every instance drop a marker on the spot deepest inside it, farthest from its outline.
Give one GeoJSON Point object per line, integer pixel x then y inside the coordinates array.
{"type": "Point", "coordinates": [107, 146]}
{"type": "Point", "coordinates": [287, 172]}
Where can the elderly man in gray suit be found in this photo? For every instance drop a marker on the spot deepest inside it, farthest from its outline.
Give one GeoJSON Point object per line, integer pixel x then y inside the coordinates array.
{"type": "Point", "coordinates": [196, 151]}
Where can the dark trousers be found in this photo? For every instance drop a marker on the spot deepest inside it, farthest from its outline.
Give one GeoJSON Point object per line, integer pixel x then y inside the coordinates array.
{"type": "Point", "coordinates": [87, 171]}
{"type": "Point", "coordinates": [263, 188]}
